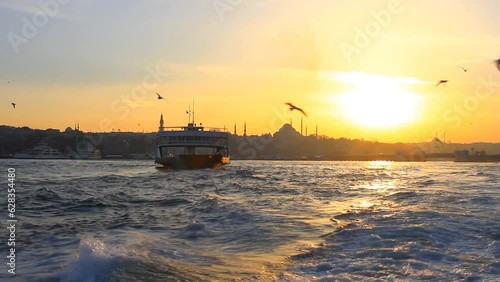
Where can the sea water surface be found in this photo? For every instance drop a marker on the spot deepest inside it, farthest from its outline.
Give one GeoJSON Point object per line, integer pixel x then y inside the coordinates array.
{"type": "Point", "coordinates": [120, 220]}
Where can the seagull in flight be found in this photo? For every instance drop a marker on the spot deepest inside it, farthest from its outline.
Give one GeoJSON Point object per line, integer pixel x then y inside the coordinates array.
{"type": "Point", "coordinates": [437, 140]}
{"type": "Point", "coordinates": [497, 63]}
{"type": "Point", "coordinates": [441, 81]}
{"type": "Point", "coordinates": [464, 69]}
{"type": "Point", "coordinates": [13, 105]}
{"type": "Point", "coordinates": [161, 97]}
{"type": "Point", "coordinates": [292, 107]}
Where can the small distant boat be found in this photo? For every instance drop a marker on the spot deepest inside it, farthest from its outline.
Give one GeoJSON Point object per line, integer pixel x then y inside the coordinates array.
{"type": "Point", "coordinates": [40, 151]}
{"type": "Point", "coordinates": [191, 147]}
{"type": "Point", "coordinates": [86, 151]}
{"type": "Point", "coordinates": [475, 156]}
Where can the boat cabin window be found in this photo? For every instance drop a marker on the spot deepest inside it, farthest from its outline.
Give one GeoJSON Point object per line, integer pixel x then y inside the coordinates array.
{"type": "Point", "coordinates": [174, 151]}
{"type": "Point", "coordinates": [204, 151]}
{"type": "Point", "coordinates": [168, 152]}
{"type": "Point", "coordinates": [165, 152]}
{"type": "Point", "coordinates": [222, 151]}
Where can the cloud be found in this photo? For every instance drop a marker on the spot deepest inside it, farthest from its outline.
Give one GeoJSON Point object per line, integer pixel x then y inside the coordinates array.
{"type": "Point", "coordinates": [32, 7]}
{"type": "Point", "coordinates": [357, 77]}
{"type": "Point", "coordinates": [438, 39]}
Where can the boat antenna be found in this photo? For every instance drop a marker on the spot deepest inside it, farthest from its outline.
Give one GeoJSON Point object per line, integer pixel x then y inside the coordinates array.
{"type": "Point", "coordinates": [193, 111]}
{"type": "Point", "coordinates": [189, 114]}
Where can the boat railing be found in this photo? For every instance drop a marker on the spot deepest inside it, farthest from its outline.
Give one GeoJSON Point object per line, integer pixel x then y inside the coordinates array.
{"type": "Point", "coordinates": [194, 128]}
{"type": "Point", "coordinates": [192, 143]}
{"type": "Point", "coordinates": [217, 129]}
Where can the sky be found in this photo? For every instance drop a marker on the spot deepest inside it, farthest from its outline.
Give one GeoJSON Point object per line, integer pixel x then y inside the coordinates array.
{"type": "Point", "coordinates": [359, 69]}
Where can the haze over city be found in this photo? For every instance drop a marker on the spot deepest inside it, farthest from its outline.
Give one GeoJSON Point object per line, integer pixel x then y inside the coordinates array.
{"type": "Point", "coordinates": [360, 70]}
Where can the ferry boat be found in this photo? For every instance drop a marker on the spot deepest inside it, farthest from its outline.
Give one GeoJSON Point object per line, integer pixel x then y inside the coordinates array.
{"type": "Point", "coordinates": [475, 156]}
{"type": "Point", "coordinates": [85, 151]}
{"type": "Point", "coordinates": [40, 151]}
{"type": "Point", "coordinates": [191, 147]}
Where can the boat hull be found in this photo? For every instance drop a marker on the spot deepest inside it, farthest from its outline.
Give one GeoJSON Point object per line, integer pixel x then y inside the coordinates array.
{"type": "Point", "coordinates": [40, 157]}
{"type": "Point", "coordinates": [467, 156]}
{"type": "Point", "coordinates": [192, 162]}
{"type": "Point", "coordinates": [479, 159]}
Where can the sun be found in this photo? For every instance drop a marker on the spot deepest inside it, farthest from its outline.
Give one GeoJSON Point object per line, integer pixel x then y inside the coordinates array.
{"type": "Point", "coordinates": [379, 102]}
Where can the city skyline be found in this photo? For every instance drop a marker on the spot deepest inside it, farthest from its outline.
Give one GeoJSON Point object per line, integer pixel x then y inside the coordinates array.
{"type": "Point", "coordinates": [360, 72]}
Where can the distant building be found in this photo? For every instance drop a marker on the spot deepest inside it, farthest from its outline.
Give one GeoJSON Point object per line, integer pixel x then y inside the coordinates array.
{"type": "Point", "coordinates": [52, 131]}
{"type": "Point", "coordinates": [161, 127]}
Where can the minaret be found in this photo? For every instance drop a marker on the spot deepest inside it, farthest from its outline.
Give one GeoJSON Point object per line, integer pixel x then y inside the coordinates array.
{"type": "Point", "coordinates": [161, 123]}
{"type": "Point", "coordinates": [245, 129]}
{"type": "Point", "coordinates": [316, 131]}
{"type": "Point", "coordinates": [235, 128]}
{"type": "Point", "coordinates": [291, 124]}
{"type": "Point", "coordinates": [306, 129]}
{"type": "Point", "coordinates": [301, 125]}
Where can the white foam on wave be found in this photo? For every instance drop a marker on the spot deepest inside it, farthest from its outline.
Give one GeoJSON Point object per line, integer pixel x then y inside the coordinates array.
{"type": "Point", "coordinates": [99, 259]}
{"type": "Point", "coordinates": [95, 259]}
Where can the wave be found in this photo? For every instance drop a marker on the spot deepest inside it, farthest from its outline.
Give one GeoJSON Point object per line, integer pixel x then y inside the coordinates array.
{"type": "Point", "coordinates": [292, 221]}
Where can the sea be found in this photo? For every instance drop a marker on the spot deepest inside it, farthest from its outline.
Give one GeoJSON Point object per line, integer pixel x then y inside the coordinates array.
{"type": "Point", "coordinates": [125, 220]}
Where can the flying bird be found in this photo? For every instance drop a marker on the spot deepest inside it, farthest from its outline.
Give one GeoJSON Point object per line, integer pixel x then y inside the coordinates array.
{"type": "Point", "coordinates": [464, 69]}
{"type": "Point", "coordinates": [161, 97]}
{"type": "Point", "coordinates": [441, 81]}
{"type": "Point", "coordinates": [437, 140]}
{"type": "Point", "coordinates": [13, 105]}
{"type": "Point", "coordinates": [8, 81]}
{"type": "Point", "coordinates": [497, 63]}
{"type": "Point", "coordinates": [292, 107]}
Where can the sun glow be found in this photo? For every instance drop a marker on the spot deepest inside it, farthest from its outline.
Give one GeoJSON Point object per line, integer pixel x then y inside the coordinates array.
{"type": "Point", "coordinates": [380, 102]}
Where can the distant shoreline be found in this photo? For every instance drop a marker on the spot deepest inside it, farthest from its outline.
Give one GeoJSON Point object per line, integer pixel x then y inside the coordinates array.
{"type": "Point", "coordinates": [491, 159]}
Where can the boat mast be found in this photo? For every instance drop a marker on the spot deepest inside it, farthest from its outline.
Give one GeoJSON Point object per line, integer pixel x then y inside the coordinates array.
{"type": "Point", "coordinates": [193, 111]}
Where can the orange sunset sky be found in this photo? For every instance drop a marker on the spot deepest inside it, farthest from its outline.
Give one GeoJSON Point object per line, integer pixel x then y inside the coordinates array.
{"type": "Point", "coordinates": [360, 69]}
